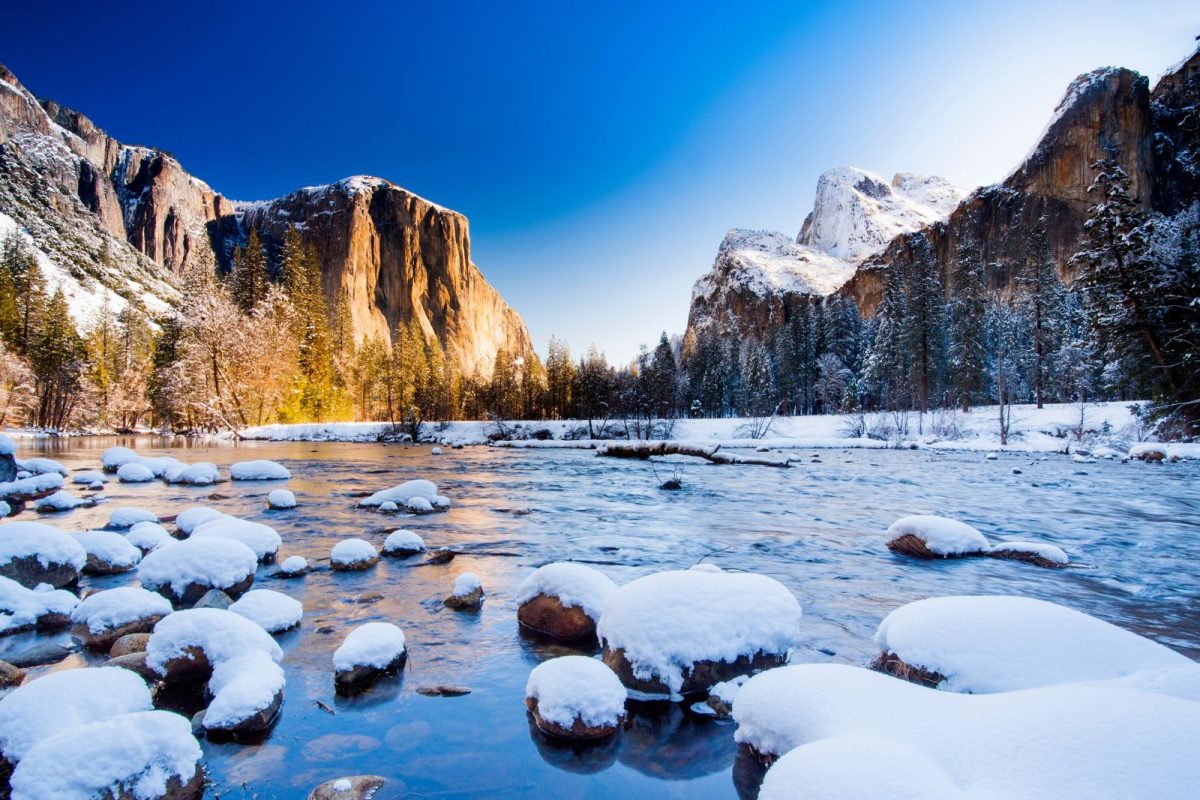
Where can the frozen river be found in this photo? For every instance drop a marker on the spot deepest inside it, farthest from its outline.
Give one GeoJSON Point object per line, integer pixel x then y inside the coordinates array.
{"type": "Point", "coordinates": [1132, 530]}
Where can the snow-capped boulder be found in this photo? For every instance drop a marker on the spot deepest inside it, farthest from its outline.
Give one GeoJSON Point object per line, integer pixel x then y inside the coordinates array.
{"type": "Point", "coordinates": [128, 516]}
{"type": "Point", "coordinates": [388, 507]}
{"type": "Point", "coordinates": [184, 571]}
{"type": "Point", "coordinates": [60, 501]}
{"type": "Point", "coordinates": [575, 698]}
{"type": "Point", "coordinates": [369, 651]}
{"type": "Point", "coordinates": [32, 553]}
{"type": "Point", "coordinates": [43, 466]}
{"type": "Point", "coordinates": [201, 473]}
{"type": "Point", "coordinates": [679, 632]}
{"type": "Point", "coordinates": [21, 490]}
{"type": "Point", "coordinates": [563, 601]}
{"type": "Point", "coordinates": [1073, 740]}
{"type": "Point", "coordinates": [135, 472]}
{"type": "Point", "coordinates": [402, 494]}
{"type": "Point", "coordinates": [467, 592]}
{"type": "Point", "coordinates": [190, 519]}
{"type": "Point", "coordinates": [1148, 451]}
{"type": "Point", "coordinates": [114, 458]}
{"type": "Point", "coordinates": [22, 609]}
{"type": "Point", "coordinates": [262, 539]}
{"type": "Point", "coordinates": [145, 755]}
{"type": "Point", "coordinates": [106, 616]}
{"type": "Point", "coordinates": [59, 701]}
{"type": "Point", "coordinates": [247, 693]}
{"type": "Point", "coordinates": [435, 451]}
{"type": "Point", "coordinates": [89, 477]}
{"type": "Point", "coordinates": [928, 536]}
{"type": "Point", "coordinates": [274, 612]}
{"type": "Point", "coordinates": [418, 505]}
{"type": "Point", "coordinates": [402, 544]}
{"type": "Point", "coordinates": [293, 567]}
{"type": "Point", "coordinates": [147, 536]}
{"type": "Point", "coordinates": [107, 552]}
{"type": "Point", "coordinates": [259, 470]}
{"type": "Point", "coordinates": [1040, 553]}
{"type": "Point", "coordinates": [1005, 643]}
{"type": "Point", "coordinates": [281, 499]}
{"type": "Point", "coordinates": [350, 555]}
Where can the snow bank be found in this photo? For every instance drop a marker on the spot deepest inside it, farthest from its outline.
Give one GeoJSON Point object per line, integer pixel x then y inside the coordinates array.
{"type": "Point", "coordinates": [281, 499]}
{"type": "Point", "coordinates": [1075, 740]}
{"type": "Point", "coordinates": [373, 644]}
{"type": "Point", "coordinates": [271, 611]}
{"type": "Point", "coordinates": [259, 470]}
{"type": "Point", "coordinates": [667, 622]}
{"type": "Point", "coordinates": [112, 608]}
{"type": "Point", "coordinates": [400, 495]}
{"type": "Point", "coordinates": [128, 516]}
{"type": "Point", "coordinates": [1004, 643]}
{"type": "Point", "coordinates": [942, 536]}
{"type": "Point", "coordinates": [21, 608]}
{"type": "Point", "coordinates": [353, 552]}
{"type": "Point", "coordinates": [404, 543]}
{"type": "Point", "coordinates": [576, 687]}
{"type": "Point", "coordinates": [572, 584]}
{"type": "Point", "coordinates": [262, 539]}
{"type": "Point", "coordinates": [207, 563]}
{"type": "Point", "coordinates": [66, 699]}
{"type": "Point", "coordinates": [134, 472]}
{"type": "Point", "coordinates": [108, 551]}
{"type": "Point", "coordinates": [138, 754]}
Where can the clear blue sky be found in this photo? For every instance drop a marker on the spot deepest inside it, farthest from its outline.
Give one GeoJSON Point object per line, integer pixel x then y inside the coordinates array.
{"type": "Point", "coordinates": [600, 150]}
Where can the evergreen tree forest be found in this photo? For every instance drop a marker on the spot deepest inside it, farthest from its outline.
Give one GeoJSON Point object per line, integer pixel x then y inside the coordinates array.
{"type": "Point", "coordinates": [262, 342]}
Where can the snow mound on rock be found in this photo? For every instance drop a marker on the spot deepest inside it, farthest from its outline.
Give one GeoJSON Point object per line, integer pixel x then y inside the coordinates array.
{"type": "Point", "coordinates": [373, 644]}
{"type": "Point", "coordinates": [403, 541]}
{"type": "Point", "coordinates": [293, 565]}
{"type": "Point", "coordinates": [42, 466]}
{"type": "Point", "coordinates": [1042, 550]}
{"type": "Point", "coordinates": [201, 473]}
{"type": "Point", "coordinates": [215, 561]}
{"type": "Point", "coordinates": [271, 611]}
{"type": "Point", "coordinates": [576, 687]}
{"type": "Point", "coordinates": [135, 472]}
{"type": "Point", "coordinates": [62, 500]}
{"type": "Point", "coordinates": [47, 544]}
{"type": "Point", "coordinates": [21, 608]}
{"type": "Point", "coordinates": [1004, 643]}
{"type": "Point", "coordinates": [110, 548]}
{"type": "Point", "coordinates": [465, 583]}
{"type": "Point", "coordinates": [128, 516]}
{"type": "Point", "coordinates": [400, 495]}
{"type": "Point", "coordinates": [192, 518]}
{"type": "Point", "coordinates": [353, 551]}
{"type": "Point", "coordinates": [262, 539]}
{"type": "Point", "coordinates": [222, 635]}
{"type": "Point", "coordinates": [259, 470]}
{"type": "Point", "coordinates": [88, 477]}
{"type": "Point", "coordinates": [113, 608]}
{"type": "Point", "coordinates": [148, 536]}
{"type": "Point", "coordinates": [573, 585]}
{"type": "Point", "coordinates": [667, 622]}
{"type": "Point", "coordinates": [281, 499]}
{"type": "Point", "coordinates": [241, 687]}
{"type": "Point", "coordinates": [138, 753]}
{"type": "Point", "coordinates": [942, 535]}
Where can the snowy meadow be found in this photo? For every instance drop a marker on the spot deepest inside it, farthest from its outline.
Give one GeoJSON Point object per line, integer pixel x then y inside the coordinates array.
{"type": "Point", "coordinates": [441, 709]}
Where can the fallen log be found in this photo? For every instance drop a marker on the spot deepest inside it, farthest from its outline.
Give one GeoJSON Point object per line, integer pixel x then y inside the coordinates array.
{"type": "Point", "coordinates": [645, 450]}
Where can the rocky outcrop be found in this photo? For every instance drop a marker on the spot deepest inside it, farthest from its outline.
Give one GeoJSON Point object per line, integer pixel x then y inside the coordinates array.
{"type": "Point", "coordinates": [126, 220]}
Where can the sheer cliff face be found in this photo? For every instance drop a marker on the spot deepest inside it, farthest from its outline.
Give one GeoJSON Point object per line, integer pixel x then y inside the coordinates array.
{"type": "Point", "coordinates": [395, 254]}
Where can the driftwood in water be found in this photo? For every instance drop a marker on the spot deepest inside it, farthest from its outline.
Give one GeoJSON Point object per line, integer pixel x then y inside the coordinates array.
{"type": "Point", "coordinates": [664, 448]}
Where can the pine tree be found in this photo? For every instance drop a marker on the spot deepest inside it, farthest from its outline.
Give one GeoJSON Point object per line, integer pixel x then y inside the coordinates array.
{"type": "Point", "coordinates": [887, 362]}
{"type": "Point", "coordinates": [249, 280]}
{"type": "Point", "coordinates": [758, 383]}
{"type": "Point", "coordinates": [21, 310]}
{"type": "Point", "coordinates": [1043, 296]}
{"type": "Point", "coordinates": [58, 358]}
{"type": "Point", "coordinates": [560, 375]}
{"type": "Point", "coordinates": [965, 349]}
{"type": "Point", "coordinates": [924, 300]}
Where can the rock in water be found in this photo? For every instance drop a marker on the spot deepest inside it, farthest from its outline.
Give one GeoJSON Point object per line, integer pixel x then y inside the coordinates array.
{"type": "Point", "coordinates": [563, 601]}
{"type": "Point", "coordinates": [369, 652]}
{"type": "Point", "coordinates": [352, 555]}
{"type": "Point", "coordinates": [353, 787]}
{"type": "Point", "coordinates": [575, 698]}
{"type": "Point", "coordinates": [467, 593]}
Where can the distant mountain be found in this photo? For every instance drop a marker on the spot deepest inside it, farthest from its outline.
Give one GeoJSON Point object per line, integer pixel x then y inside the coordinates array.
{"type": "Point", "coordinates": [121, 222]}
{"type": "Point", "coordinates": [758, 276]}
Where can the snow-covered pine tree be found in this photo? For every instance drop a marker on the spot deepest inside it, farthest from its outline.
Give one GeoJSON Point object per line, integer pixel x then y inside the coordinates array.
{"type": "Point", "coordinates": [248, 281]}
{"type": "Point", "coordinates": [922, 326]}
{"type": "Point", "coordinates": [1042, 300]}
{"type": "Point", "coordinates": [965, 350]}
{"type": "Point", "coordinates": [886, 366]}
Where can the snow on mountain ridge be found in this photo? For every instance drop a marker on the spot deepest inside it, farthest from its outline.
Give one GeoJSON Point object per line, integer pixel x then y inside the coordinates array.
{"type": "Point", "coordinates": [856, 212]}
{"type": "Point", "coordinates": [768, 262]}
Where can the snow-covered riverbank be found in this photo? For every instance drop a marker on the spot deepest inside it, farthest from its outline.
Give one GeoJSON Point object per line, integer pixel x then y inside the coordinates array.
{"type": "Point", "coordinates": [1055, 428]}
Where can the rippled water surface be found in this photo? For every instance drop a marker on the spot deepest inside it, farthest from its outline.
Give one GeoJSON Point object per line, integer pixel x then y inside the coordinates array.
{"type": "Point", "coordinates": [818, 528]}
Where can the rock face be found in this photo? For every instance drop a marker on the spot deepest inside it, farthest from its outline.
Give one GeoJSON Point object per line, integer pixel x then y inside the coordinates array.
{"type": "Point", "coordinates": [1109, 112]}
{"type": "Point", "coordinates": [118, 213]}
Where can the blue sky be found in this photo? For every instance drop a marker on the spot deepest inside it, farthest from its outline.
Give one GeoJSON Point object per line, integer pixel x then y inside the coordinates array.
{"type": "Point", "coordinates": [600, 150]}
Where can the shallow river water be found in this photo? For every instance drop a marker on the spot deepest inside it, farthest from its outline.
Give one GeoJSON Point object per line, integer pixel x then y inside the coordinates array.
{"type": "Point", "coordinates": [1132, 529]}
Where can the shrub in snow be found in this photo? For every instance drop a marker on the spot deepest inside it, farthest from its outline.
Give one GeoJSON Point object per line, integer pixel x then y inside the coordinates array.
{"type": "Point", "coordinates": [128, 516]}
{"type": "Point", "coordinates": [402, 494]}
{"type": "Point", "coordinates": [259, 470]}
{"type": "Point", "coordinates": [368, 652]}
{"type": "Point", "coordinates": [680, 632]}
{"type": "Point", "coordinates": [575, 698]}
{"type": "Point", "coordinates": [201, 473]}
{"type": "Point", "coordinates": [88, 477]}
{"type": "Point", "coordinates": [563, 601]}
{"type": "Point", "coordinates": [187, 521]}
{"type": "Point", "coordinates": [62, 500]}
{"type": "Point", "coordinates": [106, 616]}
{"type": "Point", "coordinates": [22, 609]}
{"type": "Point", "coordinates": [350, 555]}
{"type": "Point", "coordinates": [237, 659]}
{"type": "Point", "coordinates": [135, 472]}
{"type": "Point", "coordinates": [147, 755]}
{"type": "Point", "coordinates": [467, 592]}
{"type": "Point", "coordinates": [43, 466]}
{"type": "Point", "coordinates": [147, 536]}
{"type": "Point", "coordinates": [107, 552]}
{"type": "Point", "coordinates": [293, 566]}
{"type": "Point", "coordinates": [184, 571]}
{"type": "Point", "coordinates": [281, 499]}
{"type": "Point", "coordinates": [62, 700]}
{"type": "Point", "coordinates": [929, 536]}
{"type": "Point", "coordinates": [1074, 740]}
{"type": "Point", "coordinates": [32, 553]}
{"type": "Point", "coordinates": [403, 543]}
{"type": "Point", "coordinates": [1004, 643]}
{"type": "Point", "coordinates": [262, 539]}
{"type": "Point", "coordinates": [274, 612]}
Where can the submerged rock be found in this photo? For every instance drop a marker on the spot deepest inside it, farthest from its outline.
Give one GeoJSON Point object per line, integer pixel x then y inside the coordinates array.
{"type": "Point", "coordinates": [353, 787]}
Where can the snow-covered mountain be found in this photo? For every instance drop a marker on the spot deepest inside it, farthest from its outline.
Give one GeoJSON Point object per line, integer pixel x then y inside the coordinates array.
{"type": "Point", "coordinates": [760, 275]}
